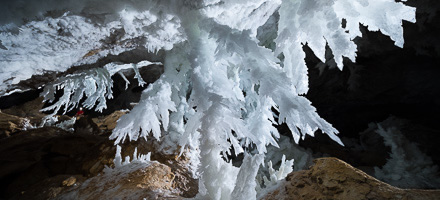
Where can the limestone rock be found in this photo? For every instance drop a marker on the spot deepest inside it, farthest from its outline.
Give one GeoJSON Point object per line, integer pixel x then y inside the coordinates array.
{"type": "Point", "coordinates": [85, 125]}
{"type": "Point", "coordinates": [10, 124]}
{"type": "Point", "coordinates": [29, 110]}
{"type": "Point", "coordinates": [184, 183]}
{"type": "Point", "coordinates": [331, 178]}
{"type": "Point", "coordinates": [108, 123]}
{"type": "Point", "coordinates": [150, 180]}
{"type": "Point", "coordinates": [69, 181]}
{"type": "Point", "coordinates": [50, 188]}
{"type": "Point", "coordinates": [31, 157]}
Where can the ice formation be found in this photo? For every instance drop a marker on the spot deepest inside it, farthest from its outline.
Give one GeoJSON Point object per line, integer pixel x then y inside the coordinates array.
{"type": "Point", "coordinates": [408, 166]}
{"type": "Point", "coordinates": [95, 84]}
{"type": "Point", "coordinates": [76, 38]}
{"type": "Point", "coordinates": [286, 147]}
{"type": "Point", "coordinates": [108, 184]}
{"type": "Point", "coordinates": [219, 87]}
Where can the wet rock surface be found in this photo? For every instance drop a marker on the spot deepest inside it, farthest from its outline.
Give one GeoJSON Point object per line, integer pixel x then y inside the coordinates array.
{"type": "Point", "coordinates": [331, 178]}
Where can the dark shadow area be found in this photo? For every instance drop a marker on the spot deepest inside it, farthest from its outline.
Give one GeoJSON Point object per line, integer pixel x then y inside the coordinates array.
{"type": "Point", "coordinates": [385, 81]}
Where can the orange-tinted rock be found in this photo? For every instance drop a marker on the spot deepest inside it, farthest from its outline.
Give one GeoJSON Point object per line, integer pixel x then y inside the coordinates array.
{"type": "Point", "coordinates": [69, 181]}
{"type": "Point", "coordinates": [331, 178]}
{"type": "Point", "coordinates": [150, 180]}
{"type": "Point", "coordinates": [32, 156]}
{"type": "Point", "coordinates": [10, 124]}
{"type": "Point", "coordinates": [108, 123]}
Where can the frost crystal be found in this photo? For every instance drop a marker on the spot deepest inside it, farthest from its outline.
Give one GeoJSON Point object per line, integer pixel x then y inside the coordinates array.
{"type": "Point", "coordinates": [136, 158]}
{"type": "Point", "coordinates": [157, 103]}
{"type": "Point", "coordinates": [275, 176]}
{"type": "Point", "coordinates": [318, 23]}
{"type": "Point", "coordinates": [95, 84]}
{"type": "Point", "coordinates": [220, 86]}
{"type": "Point", "coordinates": [408, 166]}
{"type": "Point", "coordinates": [55, 44]}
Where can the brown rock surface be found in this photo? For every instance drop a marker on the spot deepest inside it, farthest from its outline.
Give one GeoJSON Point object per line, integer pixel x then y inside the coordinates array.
{"type": "Point", "coordinates": [10, 124]}
{"type": "Point", "coordinates": [37, 159]}
{"type": "Point", "coordinates": [150, 180]}
{"type": "Point", "coordinates": [69, 181]}
{"type": "Point", "coordinates": [331, 178]}
{"type": "Point", "coordinates": [108, 123]}
{"type": "Point", "coordinates": [85, 125]}
{"type": "Point", "coordinates": [184, 184]}
{"type": "Point", "coordinates": [29, 110]}
{"type": "Point", "coordinates": [51, 187]}
{"type": "Point", "coordinates": [29, 157]}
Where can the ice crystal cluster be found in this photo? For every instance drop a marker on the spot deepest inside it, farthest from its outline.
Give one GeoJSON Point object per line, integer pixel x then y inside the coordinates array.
{"type": "Point", "coordinates": [113, 176]}
{"type": "Point", "coordinates": [408, 166]}
{"type": "Point", "coordinates": [219, 87]}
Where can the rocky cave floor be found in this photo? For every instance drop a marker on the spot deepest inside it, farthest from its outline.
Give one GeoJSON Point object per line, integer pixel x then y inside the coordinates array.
{"type": "Point", "coordinates": [49, 162]}
{"type": "Point", "coordinates": [44, 163]}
